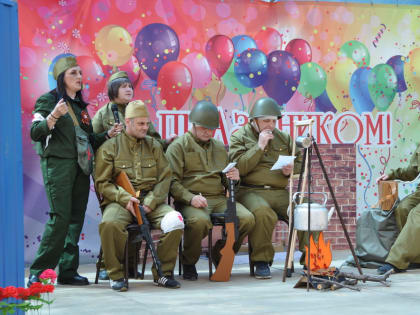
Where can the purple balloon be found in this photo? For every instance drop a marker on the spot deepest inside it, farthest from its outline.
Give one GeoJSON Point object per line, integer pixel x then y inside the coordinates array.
{"type": "Point", "coordinates": [251, 68]}
{"type": "Point", "coordinates": [323, 103]}
{"type": "Point", "coordinates": [156, 44]}
{"type": "Point", "coordinates": [283, 75]}
{"type": "Point", "coordinates": [397, 63]}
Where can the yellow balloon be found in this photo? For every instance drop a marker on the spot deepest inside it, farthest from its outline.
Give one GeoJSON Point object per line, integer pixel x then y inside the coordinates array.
{"type": "Point", "coordinates": [338, 84]}
{"type": "Point", "coordinates": [114, 45]}
{"type": "Point", "coordinates": [215, 90]}
{"type": "Point", "coordinates": [412, 70]}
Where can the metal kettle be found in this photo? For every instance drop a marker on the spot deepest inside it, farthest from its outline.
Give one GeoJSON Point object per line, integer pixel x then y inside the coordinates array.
{"type": "Point", "coordinates": [319, 214]}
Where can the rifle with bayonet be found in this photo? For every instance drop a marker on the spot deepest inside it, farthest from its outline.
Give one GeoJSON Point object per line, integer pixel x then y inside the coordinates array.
{"type": "Point", "coordinates": [224, 268]}
{"type": "Point", "coordinates": [123, 181]}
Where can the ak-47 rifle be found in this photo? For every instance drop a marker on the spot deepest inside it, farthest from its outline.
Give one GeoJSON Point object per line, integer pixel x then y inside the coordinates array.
{"type": "Point", "coordinates": [224, 268]}
{"type": "Point", "coordinates": [123, 181]}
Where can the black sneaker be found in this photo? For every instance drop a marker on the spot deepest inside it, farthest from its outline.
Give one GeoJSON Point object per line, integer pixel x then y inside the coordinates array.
{"type": "Point", "coordinates": [119, 285]}
{"type": "Point", "coordinates": [189, 273]}
{"type": "Point", "coordinates": [387, 267]}
{"type": "Point", "coordinates": [262, 270]}
{"type": "Point", "coordinates": [103, 275]}
{"type": "Point", "coordinates": [167, 282]}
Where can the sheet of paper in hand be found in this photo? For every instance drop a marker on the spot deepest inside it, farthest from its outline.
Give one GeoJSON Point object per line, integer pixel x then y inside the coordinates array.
{"type": "Point", "coordinates": [229, 167]}
{"type": "Point", "coordinates": [282, 161]}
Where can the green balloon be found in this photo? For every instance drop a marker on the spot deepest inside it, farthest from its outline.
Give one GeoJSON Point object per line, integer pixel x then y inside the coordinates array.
{"type": "Point", "coordinates": [232, 83]}
{"type": "Point", "coordinates": [382, 85]}
{"type": "Point", "coordinates": [313, 80]}
{"type": "Point", "coordinates": [357, 52]}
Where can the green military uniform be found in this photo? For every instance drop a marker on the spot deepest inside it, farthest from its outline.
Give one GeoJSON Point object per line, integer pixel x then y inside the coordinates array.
{"type": "Point", "coordinates": [262, 191]}
{"type": "Point", "coordinates": [148, 170]}
{"type": "Point", "coordinates": [197, 167]}
{"type": "Point", "coordinates": [66, 185]}
{"type": "Point", "coordinates": [407, 214]}
{"type": "Point", "coordinates": [104, 120]}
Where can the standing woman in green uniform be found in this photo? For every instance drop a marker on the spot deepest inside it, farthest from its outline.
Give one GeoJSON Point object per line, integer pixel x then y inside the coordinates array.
{"type": "Point", "coordinates": [67, 186]}
{"type": "Point", "coordinates": [120, 92]}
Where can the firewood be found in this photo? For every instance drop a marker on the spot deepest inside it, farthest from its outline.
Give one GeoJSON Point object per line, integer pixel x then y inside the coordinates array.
{"type": "Point", "coordinates": [381, 279]}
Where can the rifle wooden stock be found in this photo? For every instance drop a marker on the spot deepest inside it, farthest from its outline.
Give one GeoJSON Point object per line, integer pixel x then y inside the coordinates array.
{"type": "Point", "coordinates": [123, 181]}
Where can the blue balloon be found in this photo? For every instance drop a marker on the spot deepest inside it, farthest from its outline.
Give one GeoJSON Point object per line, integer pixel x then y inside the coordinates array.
{"type": "Point", "coordinates": [242, 43]}
{"type": "Point", "coordinates": [397, 63]}
{"type": "Point", "coordinates": [324, 104]}
{"type": "Point", "coordinates": [251, 68]}
{"type": "Point", "coordinates": [359, 91]}
{"type": "Point", "coordinates": [52, 83]}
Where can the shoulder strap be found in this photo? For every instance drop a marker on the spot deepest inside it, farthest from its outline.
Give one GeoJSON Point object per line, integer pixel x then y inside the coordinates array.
{"type": "Point", "coordinates": [72, 115]}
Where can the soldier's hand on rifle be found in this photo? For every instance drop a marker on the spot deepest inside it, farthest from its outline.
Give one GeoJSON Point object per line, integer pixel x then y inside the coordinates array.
{"type": "Point", "coordinates": [382, 177]}
{"type": "Point", "coordinates": [147, 209]}
{"type": "Point", "coordinates": [265, 136]}
{"type": "Point", "coordinates": [233, 174]}
{"type": "Point", "coordinates": [130, 205]}
{"type": "Point", "coordinates": [287, 169]}
{"type": "Point", "coordinates": [199, 201]}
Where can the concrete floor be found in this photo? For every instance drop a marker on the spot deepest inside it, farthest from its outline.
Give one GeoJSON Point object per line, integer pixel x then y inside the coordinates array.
{"type": "Point", "coordinates": [241, 295]}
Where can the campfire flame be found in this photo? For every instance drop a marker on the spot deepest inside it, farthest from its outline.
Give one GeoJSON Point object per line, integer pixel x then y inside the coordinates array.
{"type": "Point", "coordinates": [321, 254]}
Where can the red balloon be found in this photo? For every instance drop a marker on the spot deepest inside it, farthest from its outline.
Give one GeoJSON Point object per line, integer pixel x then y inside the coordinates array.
{"type": "Point", "coordinates": [300, 49]}
{"type": "Point", "coordinates": [268, 40]}
{"type": "Point", "coordinates": [219, 53]}
{"type": "Point", "coordinates": [93, 77]}
{"type": "Point", "coordinates": [174, 82]}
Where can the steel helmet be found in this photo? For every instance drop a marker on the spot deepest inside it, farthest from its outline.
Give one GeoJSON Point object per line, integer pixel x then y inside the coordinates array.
{"type": "Point", "coordinates": [205, 114]}
{"type": "Point", "coordinates": [265, 106]}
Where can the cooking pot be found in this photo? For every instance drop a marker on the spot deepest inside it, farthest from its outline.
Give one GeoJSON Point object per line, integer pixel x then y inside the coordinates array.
{"type": "Point", "coordinates": [319, 214]}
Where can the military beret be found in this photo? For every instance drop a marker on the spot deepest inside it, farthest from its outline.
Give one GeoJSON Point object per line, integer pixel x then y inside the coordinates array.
{"type": "Point", "coordinates": [63, 64]}
{"type": "Point", "coordinates": [136, 109]}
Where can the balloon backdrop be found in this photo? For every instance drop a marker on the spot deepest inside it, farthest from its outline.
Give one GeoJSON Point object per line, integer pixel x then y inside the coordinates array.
{"type": "Point", "coordinates": [113, 45]}
{"type": "Point", "coordinates": [283, 75]}
{"type": "Point", "coordinates": [93, 77]}
{"type": "Point", "coordinates": [242, 43]}
{"type": "Point", "coordinates": [313, 80]}
{"type": "Point", "coordinates": [300, 49]}
{"type": "Point", "coordinates": [251, 68]}
{"type": "Point", "coordinates": [156, 44]}
{"type": "Point", "coordinates": [397, 63]}
{"type": "Point", "coordinates": [359, 91]}
{"type": "Point", "coordinates": [382, 85]}
{"type": "Point", "coordinates": [357, 52]}
{"type": "Point", "coordinates": [132, 68]}
{"type": "Point", "coordinates": [215, 91]}
{"type": "Point", "coordinates": [174, 83]}
{"type": "Point", "coordinates": [219, 53]}
{"type": "Point", "coordinates": [412, 69]}
{"type": "Point", "coordinates": [323, 103]}
{"type": "Point", "coordinates": [200, 69]}
{"type": "Point", "coordinates": [300, 103]}
{"type": "Point", "coordinates": [338, 83]}
{"type": "Point", "coordinates": [268, 39]}
{"type": "Point", "coordinates": [52, 83]}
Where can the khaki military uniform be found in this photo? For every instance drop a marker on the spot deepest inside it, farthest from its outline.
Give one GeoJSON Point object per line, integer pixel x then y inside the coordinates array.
{"type": "Point", "coordinates": [197, 168]}
{"type": "Point", "coordinates": [405, 249]}
{"type": "Point", "coordinates": [263, 191]}
{"type": "Point", "coordinates": [104, 120]}
{"type": "Point", "coordinates": [149, 172]}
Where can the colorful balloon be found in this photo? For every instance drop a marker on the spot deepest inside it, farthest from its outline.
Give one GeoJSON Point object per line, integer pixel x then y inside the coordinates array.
{"type": "Point", "coordinates": [397, 63]}
{"type": "Point", "coordinates": [300, 49]}
{"type": "Point", "coordinates": [268, 39]}
{"type": "Point", "coordinates": [323, 103]}
{"type": "Point", "coordinates": [174, 83]}
{"type": "Point", "coordinates": [114, 45]}
{"type": "Point", "coordinates": [232, 83]}
{"type": "Point", "coordinates": [299, 103]}
{"type": "Point", "coordinates": [93, 77]}
{"type": "Point", "coordinates": [242, 43]}
{"type": "Point", "coordinates": [283, 75]}
{"type": "Point", "coordinates": [156, 44]}
{"type": "Point", "coordinates": [357, 52]}
{"type": "Point", "coordinates": [219, 53]}
{"type": "Point", "coordinates": [52, 83]}
{"type": "Point", "coordinates": [251, 68]}
{"type": "Point", "coordinates": [338, 83]}
{"type": "Point", "coordinates": [382, 84]}
{"type": "Point", "coordinates": [412, 69]}
{"type": "Point", "coordinates": [215, 91]}
{"type": "Point", "coordinates": [313, 80]}
{"type": "Point", "coordinates": [199, 68]}
{"type": "Point", "coordinates": [359, 91]}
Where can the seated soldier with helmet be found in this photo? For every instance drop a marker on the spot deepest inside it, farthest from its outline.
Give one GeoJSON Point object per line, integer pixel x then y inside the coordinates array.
{"type": "Point", "coordinates": [256, 147]}
{"type": "Point", "coordinates": [142, 158]}
{"type": "Point", "coordinates": [198, 184]}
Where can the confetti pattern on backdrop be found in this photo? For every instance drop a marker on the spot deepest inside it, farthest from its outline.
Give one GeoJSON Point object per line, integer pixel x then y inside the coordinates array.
{"type": "Point", "coordinates": [316, 57]}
